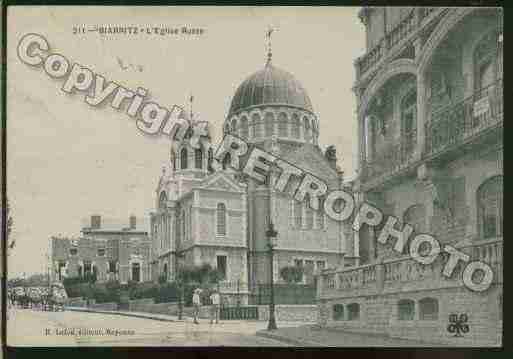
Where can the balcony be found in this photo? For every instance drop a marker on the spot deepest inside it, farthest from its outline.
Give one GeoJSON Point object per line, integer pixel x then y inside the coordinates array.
{"type": "Point", "coordinates": [461, 123]}
{"type": "Point", "coordinates": [390, 161]}
{"type": "Point", "coordinates": [392, 38]}
{"type": "Point", "coordinates": [405, 274]}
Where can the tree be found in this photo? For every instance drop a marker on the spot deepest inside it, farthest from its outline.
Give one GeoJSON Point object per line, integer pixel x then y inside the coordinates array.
{"type": "Point", "coordinates": [292, 274]}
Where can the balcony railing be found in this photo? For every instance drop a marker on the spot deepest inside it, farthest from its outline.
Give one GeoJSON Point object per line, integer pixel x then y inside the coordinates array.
{"type": "Point", "coordinates": [453, 125]}
{"type": "Point", "coordinates": [394, 158]}
{"type": "Point", "coordinates": [392, 38]}
{"type": "Point", "coordinates": [403, 29]}
{"type": "Point", "coordinates": [370, 59]}
{"type": "Point", "coordinates": [405, 274]}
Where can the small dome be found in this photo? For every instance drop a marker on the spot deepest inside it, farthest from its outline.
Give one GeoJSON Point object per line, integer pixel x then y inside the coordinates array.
{"type": "Point", "coordinates": [270, 86]}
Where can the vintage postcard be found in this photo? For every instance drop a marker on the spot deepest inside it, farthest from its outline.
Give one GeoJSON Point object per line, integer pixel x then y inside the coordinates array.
{"type": "Point", "coordinates": [254, 176]}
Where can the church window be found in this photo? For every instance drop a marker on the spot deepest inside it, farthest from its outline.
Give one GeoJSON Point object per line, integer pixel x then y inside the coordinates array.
{"type": "Point", "coordinates": [282, 125]}
{"type": "Point", "coordinates": [183, 158]}
{"type": "Point", "coordinates": [227, 160]}
{"type": "Point", "coordinates": [489, 202]}
{"type": "Point", "coordinates": [405, 309]}
{"type": "Point", "coordinates": [221, 219]}
{"type": "Point", "coordinates": [295, 126]}
{"type": "Point", "coordinates": [173, 160]}
{"type": "Point", "coordinates": [428, 309]}
{"type": "Point", "coordinates": [198, 158]}
{"type": "Point", "coordinates": [307, 128]}
{"type": "Point", "coordinates": [210, 158]}
{"type": "Point", "coordinates": [298, 212]}
{"type": "Point", "coordinates": [353, 311]}
{"type": "Point", "coordinates": [244, 131]}
{"type": "Point", "coordinates": [269, 124]}
{"type": "Point", "coordinates": [255, 123]}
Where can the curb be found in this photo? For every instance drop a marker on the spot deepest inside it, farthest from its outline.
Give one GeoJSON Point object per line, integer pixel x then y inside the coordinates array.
{"type": "Point", "coordinates": [288, 340]}
{"type": "Point", "coordinates": [126, 314]}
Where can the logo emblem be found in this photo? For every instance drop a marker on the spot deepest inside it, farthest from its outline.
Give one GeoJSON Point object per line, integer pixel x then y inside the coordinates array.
{"type": "Point", "coordinates": [458, 324]}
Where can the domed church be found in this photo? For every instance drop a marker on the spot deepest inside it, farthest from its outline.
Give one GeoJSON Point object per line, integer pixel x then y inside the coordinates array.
{"type": "Point", "coordinates": [205, 212]}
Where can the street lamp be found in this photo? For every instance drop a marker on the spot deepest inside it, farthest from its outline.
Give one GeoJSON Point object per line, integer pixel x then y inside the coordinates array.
{"type": "Point", "coordinates": [179, 255]}
{"type": "Point", "coordinates": [272, 237]}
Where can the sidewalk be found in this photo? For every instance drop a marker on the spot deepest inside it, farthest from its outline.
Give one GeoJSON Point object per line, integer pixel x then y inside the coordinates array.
{"type": "Point", "coordinates": [313, 336]}
{"type": "Point", "coordinates": [174, 318]}
{"type": "Point", "coordinates": [159, 317]}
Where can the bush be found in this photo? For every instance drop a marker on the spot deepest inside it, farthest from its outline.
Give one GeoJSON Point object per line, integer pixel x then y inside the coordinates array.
{"type": "Point", "coordinates": [168, 292]}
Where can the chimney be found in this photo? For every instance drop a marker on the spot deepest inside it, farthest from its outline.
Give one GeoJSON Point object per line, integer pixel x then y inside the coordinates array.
{"type": "Point", "coordinates": [96, 221]}
{"type": "Point", "coordinates": [133, 222]}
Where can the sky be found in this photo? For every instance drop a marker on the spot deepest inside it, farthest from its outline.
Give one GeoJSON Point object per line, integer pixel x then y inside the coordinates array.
{"type": "Point", "coordinates": [67, 160]}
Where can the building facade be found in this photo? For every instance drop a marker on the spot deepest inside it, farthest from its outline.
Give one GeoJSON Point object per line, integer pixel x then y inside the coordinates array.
{"type": "Point", "coordinates": [207, 213]}
{"type": "Point", "coordinates": [430, 125]}
{"type": "Point", "coordinates": [107, 251]}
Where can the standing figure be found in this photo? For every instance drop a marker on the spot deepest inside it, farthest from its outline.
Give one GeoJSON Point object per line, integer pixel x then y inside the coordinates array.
{"type": "Point", "coordinates": [196, 302]}
{"type": "Point", "coordinates": [214, 309]}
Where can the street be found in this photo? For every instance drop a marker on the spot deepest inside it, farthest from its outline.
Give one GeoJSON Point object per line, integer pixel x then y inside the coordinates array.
{"type": "Point", "coordinates": [35, 328]}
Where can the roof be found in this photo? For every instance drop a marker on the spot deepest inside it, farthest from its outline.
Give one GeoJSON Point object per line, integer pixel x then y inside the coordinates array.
{"type": "Point", "coordinates": [270, 86]}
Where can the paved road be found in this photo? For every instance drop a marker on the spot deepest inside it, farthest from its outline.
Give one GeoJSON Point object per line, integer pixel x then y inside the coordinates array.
{"type": "Point", "coordinates": [35, 328]}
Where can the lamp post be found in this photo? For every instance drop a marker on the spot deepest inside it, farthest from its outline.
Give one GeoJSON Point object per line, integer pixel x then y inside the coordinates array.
{"type": "Point", "coordinates": [272, 236]}
{"type": "Point", "coordinates": [180, 255]}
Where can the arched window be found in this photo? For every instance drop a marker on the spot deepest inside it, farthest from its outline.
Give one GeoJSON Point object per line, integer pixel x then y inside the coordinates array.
{"type": "Point", "coordinates": [353, 311]}
{"type": "Point", "coordinates": [173, 160]}
{"type": "Point", "coordinates": [183, 158]}
{"type": "Point", "coordinates": [165, 271]}
{"type": "Point", "coordinates": [221, 219]}
{"type": "Point", "coordinates": [282, 125]}
{"type": "Point", "coordinates": [306, 124]}
{"type": "Point", "coordinates": [244, 130]}
{"type": "Point", "coordinates": [234, 126]}
{"type": "Point", "coordinates": [338, 312]}
{"type": "Point", "coordinates": [269, 124]}
{"type": "Point", "coordinates": [405, 309]}
{"type": "Point", "coordinates": [296, 124]}
{"type": "Point", "coordinates": [489, 208]}
{"type": "Point", "coordinates": [298, 212]}
{"type": "Point", "coordinates": [428, 309]}
{"type": "Point", "coordinates": [198, 158]}
{"type": "Point", "coordinates": [255, 124]}
{"type": "Point", "coordinates": [409, 120]}
{"type": "Point", "coordinates": [227, 160]}
{"type": "Point", "coordinates": [415, 216]}
{"type": "Point", "coordinates": [162, 200]}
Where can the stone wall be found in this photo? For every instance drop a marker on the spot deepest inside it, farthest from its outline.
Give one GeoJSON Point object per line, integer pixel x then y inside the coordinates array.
{"type": "Point", "coordinates": [138, 305]}
{"type": "Point", "coordinates": [380, 315]}
{"type": "Point", "coordinates": [290, 313]}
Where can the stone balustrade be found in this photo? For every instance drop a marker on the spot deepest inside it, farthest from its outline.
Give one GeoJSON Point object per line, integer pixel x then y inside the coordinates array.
{"type": "Point", "coordinates": [404, 274]}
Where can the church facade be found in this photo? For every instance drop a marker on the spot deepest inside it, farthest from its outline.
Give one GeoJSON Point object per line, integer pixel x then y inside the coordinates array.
{"type": "Point", "coordinates": [207, 213]}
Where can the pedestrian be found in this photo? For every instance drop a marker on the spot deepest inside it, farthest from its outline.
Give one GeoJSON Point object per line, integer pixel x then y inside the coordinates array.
{"type": "Point", "coordinates": [214, 309]}
{"type": "Point", "coordinates": [196, 302]}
